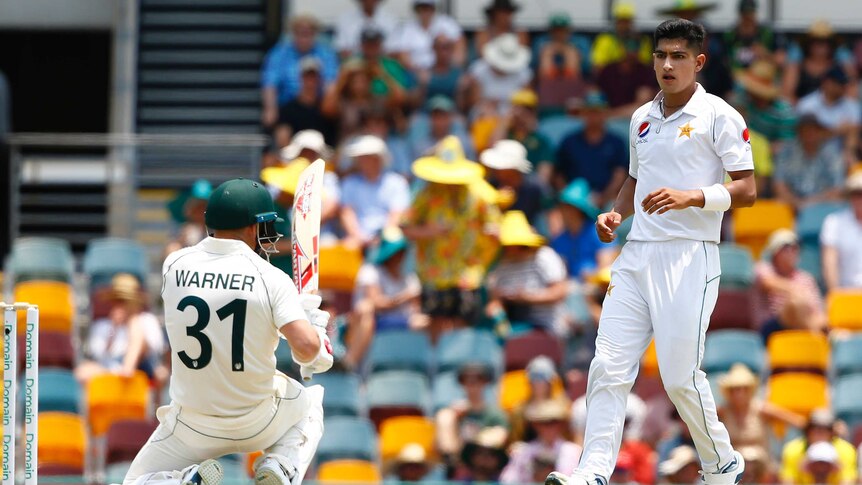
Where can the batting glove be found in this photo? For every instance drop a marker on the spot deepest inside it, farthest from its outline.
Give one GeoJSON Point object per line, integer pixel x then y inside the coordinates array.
{"type": "Point", "coordinates": [311, 304]}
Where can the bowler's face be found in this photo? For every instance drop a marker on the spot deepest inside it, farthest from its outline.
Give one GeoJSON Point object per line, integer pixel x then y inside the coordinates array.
{"type": "Point", "coordinates": [676, 65]}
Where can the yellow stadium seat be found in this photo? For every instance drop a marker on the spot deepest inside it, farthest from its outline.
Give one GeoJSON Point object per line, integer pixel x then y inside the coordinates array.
{"type": "Point", "coordinates": [348, 471]}
{"type": "Point", "coordinates": [800, 392]}
{"type": "Point", "coordinates": [515, 389]}
{"type": "Point", "coordinates": [62, 439]}
{"type": "Point", "coordinates": [339, 266]}
{"type": "Point", "coordinates": [399, 431]}
{"type": "Point", "coordinates": [798, 350]}
{"type": "Point", "coordinates": [845, 309]}
{"type": "Point", "coordinates": [56, 305]}
{"type": "Point", "coordinates": [111, 398]}
{"type": "Point", "coordinates": [753, 225]}
{"type": "Point", "coordinates": [649, 362]}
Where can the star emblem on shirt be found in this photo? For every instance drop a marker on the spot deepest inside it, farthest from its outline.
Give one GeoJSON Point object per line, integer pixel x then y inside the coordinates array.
{"type": "Point", "coordinates": [686, 130]}
{"type": "Point", "coordinates": [610, 287]}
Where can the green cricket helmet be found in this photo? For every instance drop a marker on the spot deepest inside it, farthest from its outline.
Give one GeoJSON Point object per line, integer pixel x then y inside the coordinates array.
{"type": "Point", "coordinates": [241, 203]}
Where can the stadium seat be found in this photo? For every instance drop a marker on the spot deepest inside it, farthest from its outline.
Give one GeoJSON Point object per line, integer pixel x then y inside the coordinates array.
{"type": "Point", "coordinates": [116, 472]}
{"type": "Point", "coordinates": [847, 355]}
{"type": "Point", "coordinates": [463, 346]}
{"type": "Point", "coordinates": [847, 399]}
{"type": "Point", "coordinates": [339, 266]}
{"type": "Point", "coordinates": [59, 391]}
{"type": "Point", "coordinates": [555, 128]}
{"type": "Point", "coordinates": [810, 220]}
{"type": "Point", "coordinates": [399, 431]}
{"type": "Point", "coordinates": [348, 438]}
{"type": "Point", "coordinates": [112, 398]}
{"type": "Point", "coordinates": [800, 392]}
{"type": "Point", "coordinates": [106, 257]}
{"type": "Point", "coordinates": [753, 225]}
{"type": "Point", "coordinates": [341, 396]}
{"type": "Point", "coordinates": [41, 258]}
{"type": "Point", "coordinates": [400, 350]}
{"type": "Point", "coordinates": [733, 309]}
{"type": "Point", "coordinates": [723, 348]}
{"type": "Point", "coordinates": [62, 440]}
{"type": "Point", "coordinates": [56, 304]}
{"type": "Point", "coordinates": [843, 307]}
{"type": "Point", "coordinates": [397, 393]}
{"type": "Point", "coordinates": [515, 389]}
{"type": "Point", "coordinates": [737, 266]}
{"type": "Point", "coordinates": [649, 361]}
{"type": "Point", "coordinates": [126, 437]}
{"type": "Point", "coordinates": [809, 260]}
{"type": "Point", "coordinates": [445, 390]}
{"type": "Point", "coordinates": [798, 350]}
{"type": "Point", "coordinates": [348, 471]}
{"type": "Point", "coordinates": [520, 350]}
{"type": "Point", "coordinates": [55, 350]}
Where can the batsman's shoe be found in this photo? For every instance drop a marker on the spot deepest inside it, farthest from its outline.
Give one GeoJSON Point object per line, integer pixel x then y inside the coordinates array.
{"type": "Point", "coordinates": [729, 474]}
{"type": "Point", "coordinates": [209, 472]}
{"type": "Point", "coordinates": [270, 472]}
{"type": "Point", "coordinates": [578, 477]}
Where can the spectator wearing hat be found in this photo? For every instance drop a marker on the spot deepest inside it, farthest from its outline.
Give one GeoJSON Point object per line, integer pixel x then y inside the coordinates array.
{"type": "Point", "coordinates": [350, 24]}
{"type": "Point", "coordinates": [627, 83]}
{"type": "Point", "coordinates": [840, 235]}
{"type": "Point", "coordinates": [508, 171]}
{"type": "Point", "coordinates": [304, 112]}
{"type": "Point", "coordinates": [676, 435]}
{"type": "Point", "coordinates": [188, 209]}
{"type": "Point", "coordinates": [610, 46]}
{"type": "Point", "coordinates": [130, 338]}
{"type": "Point", "coordinates": [520, 123]}
{"type": "Point", "coordinates": [483, 457]}
{"type": "Point", "coordinates": [411, 465]}
{"type": "Point", "coordinates": [682, 467]}
{"type": "Point", "coordinates": [787, 297]}
{"type": "Point", "coordinates": [449, 223]}
{"type": "Point", "coordinates": [464, 419]}
{"type": "Point", "coordinates": [372, 198]}
{"type": "Point", "coordinates": [442, 120]}
{"type": "Point", "coordinates": [750, 40]}
{"type": "Point", "coordinates": [545, 385]}
{"type": "Point", "coordinates": [577, 243]}
{"type": "Point", "coordinates": [810, 168]}
{"type": "Point", "coordinates": [759, 465]}
{"type": "Point", "coordinates": [808, 61]}
{"type": "Point", "coordinates": [593, 153]}
{"type": "Point", "coordinates": [758, 97]}
{"type": "Point", "coordinates": [835, 110]}
{"type": "Point", "coordinates": [490, 81]}
{"type": "Point", "coordinates": [413, 42]}
{"type": "Point", "coordinates": [499, 20]}
{"type": "Point", "coordinates": [442, 77]}
{"type": "Point", "coordinates": [384, 124]}
{"type": "Point", "coordinates": [529, 283]}
{"type": "Point", "coordinates": [549, 419]}
{"type": "Point", "coordinates": [282, 75]}
{"type": "Point", "coordinates": [558, 57]}
{"type": "Point", "coordinates": [795, 456]}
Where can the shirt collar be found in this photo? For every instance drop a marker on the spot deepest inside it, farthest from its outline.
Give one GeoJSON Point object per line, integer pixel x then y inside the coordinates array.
{"type": "Point", "coordinates": [224, 246]}
{"type": "Point", "coordinates": [693, 107]}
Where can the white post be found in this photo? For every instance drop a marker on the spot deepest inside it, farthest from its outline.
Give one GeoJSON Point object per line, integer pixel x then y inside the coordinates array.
{"type": "Point", "coordinates": [31, 397]}
{"type": "Point", "coordinates": [10, 371]}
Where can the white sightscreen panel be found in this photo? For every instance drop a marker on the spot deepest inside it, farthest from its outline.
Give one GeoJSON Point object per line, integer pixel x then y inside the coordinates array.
{"type": "Point", "coordinates": [533, 13]}
{"type": "Point", "coordinates": [721, 17]}
{"type": "Point", "coordinates": [327, 11]}
{"type": "Point", "coordinates": [798, 14]}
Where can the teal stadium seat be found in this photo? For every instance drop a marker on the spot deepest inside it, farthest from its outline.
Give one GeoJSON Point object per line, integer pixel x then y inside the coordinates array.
{"type": "Point", "coordinates": [459, 347]}
{"type": "Point", "coordinates": [445, 390]}
{"type": "Point", "coordinates": [341, 396]}
{"type": "Point", "coordinates": [397, 393]}
{"type": "Point", "coordinates": [737, 266]}
{"type": "Point", "coordinates": [106, 257]}
{"type": "Point", "coordinates": [847, 399]}
{"type": "Point", "coordinates": [555, 128]}
{"type": "Point", "coordinates": [347, 438]}
{"type": "Point", "coordinates": [59, 391]}
{"type": "Point", "coordinates": [400, 350]}
{"type": "Point", "coordinates": [41, 258]}
{"type": "Point", "coordinates": [810, 220]}
{"type": "Point", "coordinates": [116, 472]}
{"type": "Point", "coordinates": [847, 355]}
{"type": "Point", "coordinates": [723, 348]}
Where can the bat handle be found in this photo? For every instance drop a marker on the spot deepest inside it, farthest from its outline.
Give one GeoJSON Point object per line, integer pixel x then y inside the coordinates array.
{"type": "Point", "coordinates": [306, 373]}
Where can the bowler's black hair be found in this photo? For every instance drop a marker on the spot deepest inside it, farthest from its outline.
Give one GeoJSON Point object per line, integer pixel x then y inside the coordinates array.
{"type": "Point", "coordinates": [681, 29]}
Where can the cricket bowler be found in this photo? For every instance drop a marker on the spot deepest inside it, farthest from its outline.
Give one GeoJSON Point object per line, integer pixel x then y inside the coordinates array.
{"type": "Point", "coordinates": [225, 309]}
{"type": "Point", "coordinates": [665, 282]}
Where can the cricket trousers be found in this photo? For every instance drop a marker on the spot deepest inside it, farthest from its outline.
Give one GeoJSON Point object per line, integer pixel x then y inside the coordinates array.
{"type": "Point", "coordinates": [287, 427]}
{"type": "Point", "coordinates": [666, 290]}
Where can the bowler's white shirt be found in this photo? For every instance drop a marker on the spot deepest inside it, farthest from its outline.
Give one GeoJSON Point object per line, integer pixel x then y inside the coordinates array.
{"type": "Point", "coordinates": [691, 149]}
{"type": "Point", "coordinates": [226, 280]}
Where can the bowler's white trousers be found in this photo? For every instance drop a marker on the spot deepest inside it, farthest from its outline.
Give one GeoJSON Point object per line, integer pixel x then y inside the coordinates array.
{"type": "Point", "coordinates": [665, 290]}
{"type": "Point", "coordinates": [288, 427]}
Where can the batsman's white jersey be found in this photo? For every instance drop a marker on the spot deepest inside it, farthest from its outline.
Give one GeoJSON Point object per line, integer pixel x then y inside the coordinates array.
{"type": "Point", "coordinates": [224, 306]}
{"type": "Point", "coordinates": [665, 282]}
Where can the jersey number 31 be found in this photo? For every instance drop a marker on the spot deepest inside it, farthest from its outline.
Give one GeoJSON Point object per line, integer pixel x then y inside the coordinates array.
{"type": "Point", "coordinates": [237, 309]}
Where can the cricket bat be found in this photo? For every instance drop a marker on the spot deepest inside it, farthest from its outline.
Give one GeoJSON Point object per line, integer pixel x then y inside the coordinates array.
{"type": "Point", "coordinates": [305, 231]}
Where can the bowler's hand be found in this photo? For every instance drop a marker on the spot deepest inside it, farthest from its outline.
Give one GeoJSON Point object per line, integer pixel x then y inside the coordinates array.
{"type": "Point", "coordinates": [664, 199]}
{"type": "Point", "coordinates": [606, 224]}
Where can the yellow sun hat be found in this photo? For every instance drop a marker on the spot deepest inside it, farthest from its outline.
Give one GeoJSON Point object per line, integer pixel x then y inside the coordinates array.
{"type": "Point", "coordinates": [448, 165]}
{"type": "Point", "coordinates": [515, 230]}
{"type": "Point", "coordinates": [285, 177]}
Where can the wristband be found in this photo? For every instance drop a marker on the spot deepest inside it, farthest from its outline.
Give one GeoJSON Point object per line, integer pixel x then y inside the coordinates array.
{"type": "Point", "coordinates": [716, 198]}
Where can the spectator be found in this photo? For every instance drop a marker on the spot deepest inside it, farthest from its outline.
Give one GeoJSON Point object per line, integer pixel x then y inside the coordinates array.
{"type": "Point", "coordinates": [500, 18]}
{"type": "Point", "coordinates": [548, 418]}
{"type": "Point", "coordinates": [678, 435]}
{"type": "Point", "coordinates": [389, 79]}
{"type": "Point", "coordinates": [810, 169]}
{"type": "Point", "coordinates": [682, 467]}
{"type": "Point", "coordinates": [529, 283]}
{"type": "Point", "coordinates": [786, 297]}
{"type": "Point", "coordinates": [282, 74]}
{"type": "Point", "coordinates": [749, 40]}
{"type": "Point", "coordinates": [484, 457]}
{"type": "Point", "coordinates": [414, 40]}
{"type": "Point", "coordinates": [627, 83]}
{"type": "Point", "coordinates": [839, 241]}
{"type": "Point", "coordinates": [758, 96]}
{"type": "Point", "coordinates": [188, 209]}
{"type": "Point", "coordinates": [508, 171]}
{"type": "Point", "coordinates": [578, 244]}
{"type": "Point", "coordinates": [809, 61]}
{"type": "Point", "coordinates": [463, 420]}
{"type": "Point", "coordinates": [558, 58]}
{"type": "Point", "coordinates": [520, 124]}
{"type": "Point", "coordinates": [610, 47]}
{"type": "Point", "coordinates": [835, 110]}
{"type": "Point", "coordinates": [503, 69]}
{"type": "Point", "coordinates": [594, 154]}
{"type": "Point", "coordinates": [349, 96]}
{"type": "Point", "coordinates": [411, 464]}
{"type": "Point", "coordinates": [442, 120]}
{"type": "Point", "coordinates": [303, 112]}
{"type": "Point", "coordinates": [545, 385]}
{"type": "Point", "coordinates": [382, 123]}
{"type": "Point", "coordinates": [622, 474]}
{"type": "Point", "coordinates": [128, 339]}
{"type": "Point", "coordinates": [795, 458]}
{"type": "Point", "coordinates": [351, 23]}
{"type": "Point", "coordinates": [441, 79]}
{"type": "Point", "coordinates": [451, 267]}
{"type": "Point", "coordinates": [372, 198]}
{"type": "Point", "coordinates": [759, 466]}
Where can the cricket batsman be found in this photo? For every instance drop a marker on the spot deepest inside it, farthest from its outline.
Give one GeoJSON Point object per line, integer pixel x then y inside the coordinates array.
{"type": "Point", "coordinates": [225, 309]}
{"type": "Point", "coordinates": [665, 282]}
